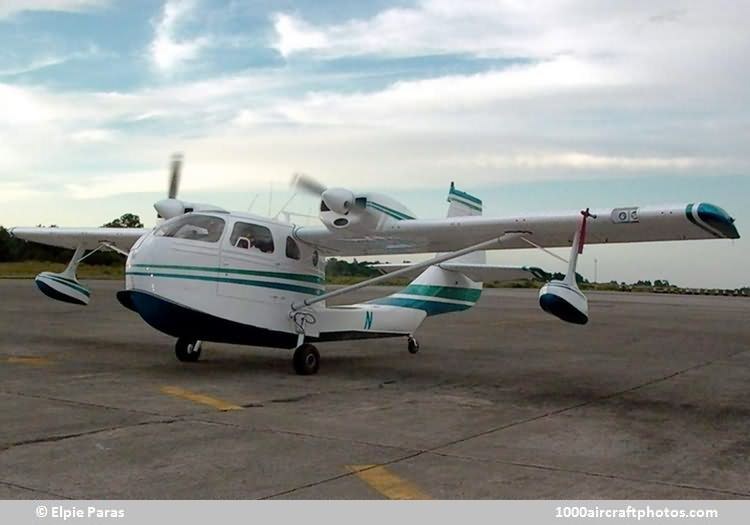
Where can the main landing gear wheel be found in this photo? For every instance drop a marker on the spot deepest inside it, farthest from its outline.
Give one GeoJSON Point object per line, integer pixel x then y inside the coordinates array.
{"type": "Point", "coordinates": [412, 345]}
{"type": "Point", "coordinates": [187, 350]}
{"type": "Point", "coordinates": [306, 360]}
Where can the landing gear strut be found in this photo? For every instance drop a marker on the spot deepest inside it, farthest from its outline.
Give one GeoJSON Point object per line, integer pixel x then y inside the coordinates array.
{"type": "Point", "coordinates": [306, 360]}
{"type": "Point", "coordinates": [412, 344]}
{"type": "Point", "coordinates": [187, 350]}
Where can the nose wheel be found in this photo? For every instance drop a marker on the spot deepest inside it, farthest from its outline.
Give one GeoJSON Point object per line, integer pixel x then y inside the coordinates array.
{"type": "Point", "coordinates": [306, 360]}
{"type": "Point", "coordinates": [412, 345]}
{"type": "Point", "coordinates": [188, 350]}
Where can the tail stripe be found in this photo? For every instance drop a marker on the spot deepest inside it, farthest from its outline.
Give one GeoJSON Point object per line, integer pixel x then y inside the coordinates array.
{"type": "Point", "coordinates": [432, 299]}
{"type": "Point", "coordinates": [430, 307]}
{"type": "Point", "coordinates": [447, 292]}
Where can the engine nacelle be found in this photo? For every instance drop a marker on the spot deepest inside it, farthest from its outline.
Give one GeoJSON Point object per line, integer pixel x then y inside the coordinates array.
{"type": "Point", "coordinates": [169, 208]}
{"type": "Point", "coordinates": [564, 301]}
{"type": "Point", "coordinates": [336, 221]}
{"type": "Point", "coordinates": [338, 200]}
{"type": "Point", "coordinates": [61, 287]}
{"type": "Point", "coordinates": [340, 210]}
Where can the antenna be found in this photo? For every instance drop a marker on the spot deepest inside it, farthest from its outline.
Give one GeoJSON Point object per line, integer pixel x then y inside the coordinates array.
{"type": "Point", "coordinates": [252, 202]}
{"type": "Point", "coordinates": [283, 208]}
{"type": "Point", "coordinates": [270, 197]}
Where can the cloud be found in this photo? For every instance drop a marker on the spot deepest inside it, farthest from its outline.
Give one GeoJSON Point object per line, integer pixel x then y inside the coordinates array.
{"type": "Point", "coordinates": [296, 35]}
{"type": "Point", "coordinates": [579, 160]}
{"type": "Point", "coordinates": [509, 29]}
{"type": "Point", "coordinates": [597, 109]}
{"type": "Point", "coordinates": [16, 191]}
{"type": "Point", "coordinates": [50, 60]}
{"type": "Point", "coordinates": [436, 98]}
{"type": "Point", "coordinates": [650, 41]}
{"type": "Point", "coordinates": [29, 106]}
{"type": "Point", "coordinates": [437, 26]}
{"type": "Point", "coordinates": [95, 136]}
{"type": "Point", "coordinates": [117, 183]}
{"type": "Point", "coordinates": [12, 7]}
{"type": "Point", "coordinates": [167, 50]}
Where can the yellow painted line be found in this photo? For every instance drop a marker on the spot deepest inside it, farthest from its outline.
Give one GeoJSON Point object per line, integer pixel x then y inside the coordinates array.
{"type": "Point", "coordinates": [29, 360]}
{"type": "Point", "coordinates": [218, 404]}
{"type": "Point", "coordinates": [387, 483]}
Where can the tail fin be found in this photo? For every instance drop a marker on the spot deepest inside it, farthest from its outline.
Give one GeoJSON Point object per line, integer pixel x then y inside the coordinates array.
{"type": "Point", "coordinates": [440, 290]}
{"type": "Point", "coordinates": [462, 204]}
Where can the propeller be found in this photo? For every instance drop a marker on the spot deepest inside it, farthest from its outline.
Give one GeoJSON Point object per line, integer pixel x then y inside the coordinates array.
{"type": "Point", "coordinates": [174, 207]}
{"type": "Point", "coordinates": [307, 184]}
{"type": "Point", "coordinates": [175, 170]}
{"type": "Point", "coordinates": [171, 207]}
{"type": "Point", "coordinates": [339, 200]}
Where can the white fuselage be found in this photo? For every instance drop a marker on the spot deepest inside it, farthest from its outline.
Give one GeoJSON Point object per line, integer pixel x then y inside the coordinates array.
{"type": "Point", "coordinates": [233, 278]}
{"type": "Point", "coordinates": [225, 274]}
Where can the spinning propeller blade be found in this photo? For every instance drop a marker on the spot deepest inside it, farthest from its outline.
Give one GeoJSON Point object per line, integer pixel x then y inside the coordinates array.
{"type": "Point", "coordinates": [175, 170]}
{"type": "Point", "coordinates": [307, 184]}
{"type": "Point", "coordinates": [170, 207]}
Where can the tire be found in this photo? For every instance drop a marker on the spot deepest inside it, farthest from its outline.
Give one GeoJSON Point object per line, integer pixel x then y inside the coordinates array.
{"type": "Point", "coordinates": [306, 360]}
{"type": "Point", "coordinates": [412, 345]}
{"type": "Point", "coordinates": [185, 350]}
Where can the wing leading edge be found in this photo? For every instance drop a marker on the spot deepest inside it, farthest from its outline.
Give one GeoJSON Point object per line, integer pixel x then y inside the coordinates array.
{"type": "Point", "coordinates": [88, 238]}
{"type": "Point", "coordinates": [692, 221]}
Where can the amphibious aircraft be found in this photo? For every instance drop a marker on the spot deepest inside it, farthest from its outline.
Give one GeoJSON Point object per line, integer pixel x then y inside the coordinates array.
{"type": "Point", "coordinates": [206, 274]}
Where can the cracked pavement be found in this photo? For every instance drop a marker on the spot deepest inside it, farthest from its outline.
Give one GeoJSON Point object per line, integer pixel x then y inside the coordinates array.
{"type": "Point", "coordinates": [647, 401]}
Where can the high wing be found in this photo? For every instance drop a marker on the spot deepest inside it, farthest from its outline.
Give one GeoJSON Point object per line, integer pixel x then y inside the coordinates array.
{"type": "Point", "coordinates": [610, 225]}
{"type": "Point", "coordinates": [87, 238]}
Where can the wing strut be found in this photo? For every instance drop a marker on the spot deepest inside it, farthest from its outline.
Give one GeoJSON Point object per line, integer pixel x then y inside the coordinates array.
{"type": "Point", "coordinates": [411, 268]}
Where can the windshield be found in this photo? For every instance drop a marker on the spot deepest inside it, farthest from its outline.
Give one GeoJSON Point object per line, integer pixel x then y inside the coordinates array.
{"type": "Point", "coordinates": [205, 228]}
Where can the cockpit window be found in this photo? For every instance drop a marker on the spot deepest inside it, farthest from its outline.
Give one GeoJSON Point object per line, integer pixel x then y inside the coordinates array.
{"type": "Point", "coordinates": [292, 249]}
{"type": "Point", "coordinates": [191, 227]}
{"type": "Point", "coordinates": [252, 237]}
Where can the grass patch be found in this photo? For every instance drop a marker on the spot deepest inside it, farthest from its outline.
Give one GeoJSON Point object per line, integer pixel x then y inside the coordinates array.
{"type": "Point", "coordinates": [30, 269]}
{"type": "Point", "coordinates": [354, 279]}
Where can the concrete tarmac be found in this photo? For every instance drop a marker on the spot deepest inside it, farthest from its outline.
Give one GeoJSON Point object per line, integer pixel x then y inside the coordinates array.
{"type": "Point", "coordinates": [650, 400]}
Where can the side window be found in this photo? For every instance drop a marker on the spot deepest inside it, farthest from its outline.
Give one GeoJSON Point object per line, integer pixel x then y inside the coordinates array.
{"type": "Point", "coordinates": [252, 237]}
{"type": "Point", "coordinates": [203, 228]}
{"type": "Point", "coordinates": [292, 250]}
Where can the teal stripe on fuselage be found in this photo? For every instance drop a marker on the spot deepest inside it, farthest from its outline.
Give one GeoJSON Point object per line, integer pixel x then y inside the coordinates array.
{"type": "Point", "coordinates": [445, 292]}
{"type": "Point", "coordinates": [279, 275]}
{"type": "Point", "coordinates": [230, 280]}
{"type": "Point", "coordinates": [430, 307]}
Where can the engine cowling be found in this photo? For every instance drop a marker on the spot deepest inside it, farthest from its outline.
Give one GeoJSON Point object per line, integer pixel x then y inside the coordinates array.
{"type": "Point", "coordinates": [169, 208]}
{"type": "Point", "coordinates": [340, 209]}
{"type": "Point", "coordinates": [565, 301]}
{"type": "Point", "coordinates": [338, 200]}
{"type": "Point", "coordinates": [337, 221]}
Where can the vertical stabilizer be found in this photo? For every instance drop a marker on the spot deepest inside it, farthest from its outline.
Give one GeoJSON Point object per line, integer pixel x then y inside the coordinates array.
{"type": "Point", "coordinates": [462, 204]}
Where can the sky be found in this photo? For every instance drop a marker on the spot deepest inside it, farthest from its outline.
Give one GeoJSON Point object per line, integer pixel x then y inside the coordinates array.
{"type": "Point", "coordinates": [531, 105]}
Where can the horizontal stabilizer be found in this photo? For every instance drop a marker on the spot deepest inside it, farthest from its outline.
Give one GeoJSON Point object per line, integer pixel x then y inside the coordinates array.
{"type": "Point", "coordinates": [487, 273]}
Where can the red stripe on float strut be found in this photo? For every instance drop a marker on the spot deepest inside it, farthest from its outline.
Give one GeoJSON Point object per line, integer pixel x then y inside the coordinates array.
{"type": "Point", "coordinates": [582, 239]}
